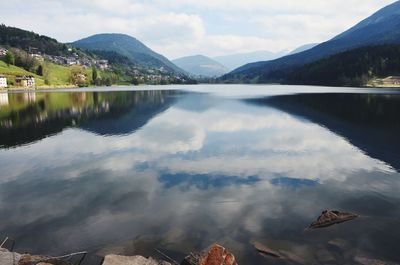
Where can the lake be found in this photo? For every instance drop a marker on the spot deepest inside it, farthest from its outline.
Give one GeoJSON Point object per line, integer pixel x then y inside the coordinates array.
{"type": "Point", "coordinates": [178, 168]}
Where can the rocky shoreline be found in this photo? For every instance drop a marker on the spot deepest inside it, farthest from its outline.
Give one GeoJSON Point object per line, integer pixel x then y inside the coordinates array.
{"type": "Point", "coordinates": [214, 255]}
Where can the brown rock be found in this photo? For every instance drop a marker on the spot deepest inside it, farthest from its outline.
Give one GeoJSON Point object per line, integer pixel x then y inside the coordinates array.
{"type": "Point", "coordinates": [216, 255]}
{"type": "Point", "coordinates": [329, 218]}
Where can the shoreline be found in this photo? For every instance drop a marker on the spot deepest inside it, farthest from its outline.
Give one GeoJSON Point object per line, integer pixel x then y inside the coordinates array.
{"type": "Point", "coordinates": [215, 254]}
{"type": "Point", "coordinates": [50, 88]}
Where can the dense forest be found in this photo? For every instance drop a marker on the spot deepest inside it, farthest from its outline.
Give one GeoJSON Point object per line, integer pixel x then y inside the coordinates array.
{"type": "Point", "coordinates": [351, 68]}
{"type": "Point", "coordinates": [26, 40]}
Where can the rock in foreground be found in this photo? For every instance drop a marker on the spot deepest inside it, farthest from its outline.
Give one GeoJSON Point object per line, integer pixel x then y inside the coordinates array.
{"type": "Point", "coordinates": [329, 218]}
{"type": "Point", "coordinates": [216, 255]}
{"type": "Point", "coordinates": [132, 260]}
{"type": "Point", "coordinates": [13, 258]}
{"type": "Point", "coordinates": [8, 258]}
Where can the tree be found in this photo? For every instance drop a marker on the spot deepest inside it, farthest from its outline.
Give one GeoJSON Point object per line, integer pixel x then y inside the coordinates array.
{"type": "Point", "coordinates": [9, 58]}
{"type": "Point", "coordinates": [78, 76]}
{"type": "Point", "coordinates": [94, 74]}
{"type": "Point", "coordinates": [39, 70]}
{"type": "Point", "coordinates": [135, 81]}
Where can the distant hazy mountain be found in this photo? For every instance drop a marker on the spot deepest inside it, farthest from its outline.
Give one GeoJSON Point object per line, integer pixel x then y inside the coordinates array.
{"type": "Point", "coordinates": [201, 65]}
{"type": "Point", "coordinates": [303, 48]}
{"type": "Point", "coordinates": [383, 27]}
{"type": "Point", "coordinates": [127, 46]}
{"type": "Point", "coordinates": [234, 61]}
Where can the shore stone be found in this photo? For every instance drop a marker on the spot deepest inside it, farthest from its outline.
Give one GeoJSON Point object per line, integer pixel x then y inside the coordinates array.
{"type": "Point", "coordinates": [131, 260]}
{"type": "Point", "coordinates": [8, 258]}
{"type": "Point", "coordinates": [216, 255]}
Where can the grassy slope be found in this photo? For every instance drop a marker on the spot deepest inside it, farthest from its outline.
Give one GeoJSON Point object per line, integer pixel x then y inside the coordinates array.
{"type": "Point", "coordinates": [58, 75]}
{"type": "Point", "coordinates": [11, 71]}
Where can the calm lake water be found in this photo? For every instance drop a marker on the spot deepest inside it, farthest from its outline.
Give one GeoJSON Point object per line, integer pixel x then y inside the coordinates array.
{"type": "Point", "coordinates": [129, 172]}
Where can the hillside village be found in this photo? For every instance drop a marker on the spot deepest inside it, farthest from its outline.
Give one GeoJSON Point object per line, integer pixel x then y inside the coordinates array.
{"type": "Point", "coordinates": [28, 81]}
{"type": "Point", "coordinates": [76, 68]}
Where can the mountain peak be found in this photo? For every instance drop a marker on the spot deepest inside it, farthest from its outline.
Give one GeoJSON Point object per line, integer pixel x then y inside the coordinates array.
{"type": "Point", "coordinates": [129, 47]}
{"type": "Point", "coordinates": [383, 27]}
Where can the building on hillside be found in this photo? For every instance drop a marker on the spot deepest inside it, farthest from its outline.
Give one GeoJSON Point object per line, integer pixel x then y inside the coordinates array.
{"type": "Point", "coordinates": [3, 52]}
{"type": "Point", "coordinates": [71, 61]}
{"type": "Point", "coordinates": [102, 64]}
{"type": "Point", "coordinates": [3, 81]}
{"type": "Point", "coordinates": [37, 56]}
{"type": "Point", "coordinates": [25, 81]}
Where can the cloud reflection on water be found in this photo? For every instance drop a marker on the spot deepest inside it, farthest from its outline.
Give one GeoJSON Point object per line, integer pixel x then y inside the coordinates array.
{"type": "Point", "coordinates": [229, 171]}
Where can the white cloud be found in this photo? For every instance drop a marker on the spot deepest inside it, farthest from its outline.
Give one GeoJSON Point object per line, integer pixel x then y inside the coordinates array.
{"type": "Point", "coordinates": [183, 27]}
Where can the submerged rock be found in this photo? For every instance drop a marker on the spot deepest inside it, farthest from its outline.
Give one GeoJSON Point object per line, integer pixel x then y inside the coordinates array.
{"type": "Point", "coordinates": [264, 250]}
{"type": "Point", "coordinates": [131, 260]}
{"type": "Point", "coordinates": [27, 259]}
{"type": "Point", "coordinates": [368, 261]}
{"type": "Point", "coordinates": [287, 255]}
{"type": "Point", "coordinates": [329, 218]}
{"type": "Point", "coordinates": [216, 255]}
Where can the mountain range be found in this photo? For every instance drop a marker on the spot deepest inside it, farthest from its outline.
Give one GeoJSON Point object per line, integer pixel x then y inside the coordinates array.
{"type": "Point", "coordinates": [203, 66]}
{"type": "Point", "coordinates": [200, 65]}
{"type": "Point", "coordinates": [383, 27]}
{"type": "Point", "coordinates": [233, 61]}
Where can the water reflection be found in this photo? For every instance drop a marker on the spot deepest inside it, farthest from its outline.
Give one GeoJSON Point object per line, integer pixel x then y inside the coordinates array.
{"type": "Point", "coordinates": [369, 121]}
{"type": "Point", "coordinates": [178, 171]}
{"type": "Point", "coordinates": [29, 117]}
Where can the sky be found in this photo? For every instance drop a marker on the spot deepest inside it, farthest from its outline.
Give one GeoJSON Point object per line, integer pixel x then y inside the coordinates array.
{"type": "Point", "coordinates": [178, 28]}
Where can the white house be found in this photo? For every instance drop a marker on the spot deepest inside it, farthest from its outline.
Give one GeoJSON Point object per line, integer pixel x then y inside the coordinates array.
{"type": "Point", "coordinates": [3, 81]}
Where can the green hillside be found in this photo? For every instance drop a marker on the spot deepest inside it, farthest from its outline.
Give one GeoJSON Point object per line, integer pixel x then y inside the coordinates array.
{"type": "Point", "coordinates": [125, 62]}
{"type": "Point", "coordinates": [358, 67]}
{"type": "Point", "coordinates": [381, 28]}
{"type": "Point", "coordinates": [56, 75]}
{"type": "Point", "coordinates": [11, 71]}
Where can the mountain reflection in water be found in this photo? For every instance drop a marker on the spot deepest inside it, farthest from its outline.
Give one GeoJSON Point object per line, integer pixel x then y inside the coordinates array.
{"type": "Point", "coordinates": [29, 117]}
{"type": "Point", "coordinates": [129, 172]}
